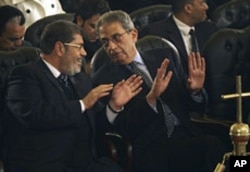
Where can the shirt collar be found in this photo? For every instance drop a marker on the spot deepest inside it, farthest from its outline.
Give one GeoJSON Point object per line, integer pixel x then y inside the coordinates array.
{"type": "Point", "coordinates": [184, 28]}
{"type": "Point", "coordinates": [52, 69]}
{"type": "Point", "coordinates": [138, 58]}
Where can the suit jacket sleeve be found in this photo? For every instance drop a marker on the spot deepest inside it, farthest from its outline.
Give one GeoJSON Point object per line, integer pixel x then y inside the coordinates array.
{"type": "Point", "coordinates": [38, 104]}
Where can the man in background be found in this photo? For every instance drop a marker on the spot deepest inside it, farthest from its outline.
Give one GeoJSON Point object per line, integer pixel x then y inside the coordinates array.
{"type": "Point", "coordinates": [187, 15]}
{"type": "Point", "coordinates": [12, 28]}
{"type": "Point", "coordinates": [34, 10]}
{"type": "Point", "coordinates": [86, 16]}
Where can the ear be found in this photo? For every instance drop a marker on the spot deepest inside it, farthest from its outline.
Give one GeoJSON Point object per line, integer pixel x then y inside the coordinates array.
{"type": "Point", "coordinates": [134, 33]}
{"type": "Point", "coordinates": [188, 8]}
{"type": "Point", "coordinates": [79, 21]}
{"type": "Point", "coordinates": [59, 48]}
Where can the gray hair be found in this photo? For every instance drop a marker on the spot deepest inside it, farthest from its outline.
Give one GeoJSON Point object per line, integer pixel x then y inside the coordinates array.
{"type": "Point", "coordinates": [115, 16]}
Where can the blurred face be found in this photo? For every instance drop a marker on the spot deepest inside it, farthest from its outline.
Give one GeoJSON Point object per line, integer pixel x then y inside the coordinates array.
{"type": "Point", "coordinates": [198, 10]}
{"type": "Point", "coordinates": [118, 42]}
{"type": "Point", "coordinates": [88, 27]}
{"type": "Point", "coordinates": [71, 61]}
{"type": "Point", "coordinates": [12, 37]}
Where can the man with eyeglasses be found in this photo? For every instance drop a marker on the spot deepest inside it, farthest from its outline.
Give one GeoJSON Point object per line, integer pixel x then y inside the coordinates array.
{"type": "Point", "coordinates": [157, 119]}
{"type": "Point", "coordinates": [51, 108]}
{"type": "Point", "coordinates": [12, 29]}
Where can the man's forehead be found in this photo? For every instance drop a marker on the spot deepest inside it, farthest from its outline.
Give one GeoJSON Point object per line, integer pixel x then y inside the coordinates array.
{"type": "Point", "coordinates": [111, 28]}
{"type": "Point", "coordinates": [78, 38]}
{"type": "Point", "coordinates": [14, 29]}
{"type": "Point", "coordinates": [15, 20]}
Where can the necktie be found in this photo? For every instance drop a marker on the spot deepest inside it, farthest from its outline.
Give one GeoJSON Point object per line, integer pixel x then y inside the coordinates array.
{"type": "Point", "coordinates": [168, 115]}
{"type": "Point", "coordinates": [64, 81]}
{"type": "Point", "coordinates": [194, 42]}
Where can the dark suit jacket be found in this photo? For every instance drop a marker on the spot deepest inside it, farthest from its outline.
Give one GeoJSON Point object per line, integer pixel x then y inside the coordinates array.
{"type": "Point", "coordinates": [46, 130]}
{"type": "Point", "coordinates": [169, 30]}
{"type": "Point", "coordinates": [138, 121]}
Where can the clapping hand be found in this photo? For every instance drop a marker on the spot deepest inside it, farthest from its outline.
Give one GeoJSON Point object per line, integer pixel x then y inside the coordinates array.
{"type": "Point", "coordinates": [124, 91]}
{"type": "Point", "coordinates": [160, 83]}
{"type": "Point", "coordinates": [95, 94]}
{"type": "Point", "coordinates": [196, 71]}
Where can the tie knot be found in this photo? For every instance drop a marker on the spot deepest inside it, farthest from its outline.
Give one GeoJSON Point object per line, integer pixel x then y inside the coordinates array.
{"type": "Point", "coordinates": [133, 65]}
{"type": "Point", "coordinates": [63, 79]}
{"type": "Point", "coordinates": [192, 32]}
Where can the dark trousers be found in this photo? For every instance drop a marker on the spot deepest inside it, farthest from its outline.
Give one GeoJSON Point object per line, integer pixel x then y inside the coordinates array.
{"type": "Point", "coordinates": [181, 152]}
{"type": "Point", "coordinates": [100, 165]}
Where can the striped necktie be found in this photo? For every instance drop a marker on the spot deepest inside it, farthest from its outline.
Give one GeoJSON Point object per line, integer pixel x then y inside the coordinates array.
{"type": "Point", "coordinates": [168, 115]}
{"type": "Point", "coordinates": [63, 79]}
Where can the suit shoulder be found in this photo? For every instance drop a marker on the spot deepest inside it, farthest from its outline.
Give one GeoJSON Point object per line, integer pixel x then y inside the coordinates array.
{"type": "Point", "coordinates": [207, 25]}
{"type": "Point", "coordinates": [23, 68]}
{"type": "Point", "coordinates": [155, 28]}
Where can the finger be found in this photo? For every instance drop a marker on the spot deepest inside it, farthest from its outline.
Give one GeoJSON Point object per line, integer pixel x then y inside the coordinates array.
{"type": "Point", "coordinates": [168, 77]}
{"type": "Point", "coordinates": [120, 83]}
{"type": "Point", "coordinates": [198, 60]}
{"type": "Point", "coordinates": [137, 91]}
{"type": "Point", "coordinates": [137, 84]}
{"type": "Point", "coordinates": [130, 79]}
{"type": "Point", "coordinates": [103, 88]}
{"type": "Point", "coordinates": [164, 65]}
{"type": "Point", "coordinates": [203, 64]}
{"type": "Point", "coordinates": [137, 79]}
{"type": "Point", "coordinates": [191, 61]}
{"type": "Point", "coordinates": [103, 94]}
{"type": "Point", "coordinates": [194, 61]}
{"type": "Point", "coordinates": [161, 72]}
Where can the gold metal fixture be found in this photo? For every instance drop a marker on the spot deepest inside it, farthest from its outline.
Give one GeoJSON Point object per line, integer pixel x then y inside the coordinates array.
{"type": "Point", "coordinates": [239, 131]}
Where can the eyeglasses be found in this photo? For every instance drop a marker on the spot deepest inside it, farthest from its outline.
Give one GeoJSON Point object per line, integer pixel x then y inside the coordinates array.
{"type": "Point", "coordinates": [78, 46]}
{"type": "Point", "coordinates": [116, 38]}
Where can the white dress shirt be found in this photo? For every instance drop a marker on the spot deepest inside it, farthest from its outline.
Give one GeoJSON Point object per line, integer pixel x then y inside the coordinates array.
{"type": "Point", "coordinates": [184, 30]}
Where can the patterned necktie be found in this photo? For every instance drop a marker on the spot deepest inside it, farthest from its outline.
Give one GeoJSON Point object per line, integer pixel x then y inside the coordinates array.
{"type": "Point", "coordinates": [194, 42]}
{"type": "Point", "coordinates": [63, 79]}
{"type": "Point", "coordinates": [168, 115]}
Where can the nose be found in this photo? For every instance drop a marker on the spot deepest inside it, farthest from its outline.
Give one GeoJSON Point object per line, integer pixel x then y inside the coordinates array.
{"type": "Point", "coordinates": [83, 52]}
{"type": "Point", "coordinates": [206, 6]}
{"type": "Point", "coordinates": [111, 44]}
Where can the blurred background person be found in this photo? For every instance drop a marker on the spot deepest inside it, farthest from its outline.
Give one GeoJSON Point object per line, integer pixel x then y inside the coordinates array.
{"type": "Point", "coordinates": [86, 16]}
{"type": "Point", "coordinates": [34, 10]}
{"type": "Point", "coordinates": [12, 28]}
{"type": "Point", "coordinates": [187, 15]}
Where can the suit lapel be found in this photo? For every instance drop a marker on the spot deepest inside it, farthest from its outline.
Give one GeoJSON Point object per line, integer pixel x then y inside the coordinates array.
{"type": "Point", "coordinates": [176, 39]}
{"type": "Point", "coordinates": [50, 77]}
{"type": "Point", "coordinates": [151, 63]}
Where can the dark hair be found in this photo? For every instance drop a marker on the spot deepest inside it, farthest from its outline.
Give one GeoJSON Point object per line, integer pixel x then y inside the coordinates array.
{"type": "Point", "coordinates": [178, 5]}
{"type": "Point", "coordinates": [7, 13]}
{"type": "Point", "coordinates": [60, 30]}
{"type": "Point", "coordinates": [89, 8]}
